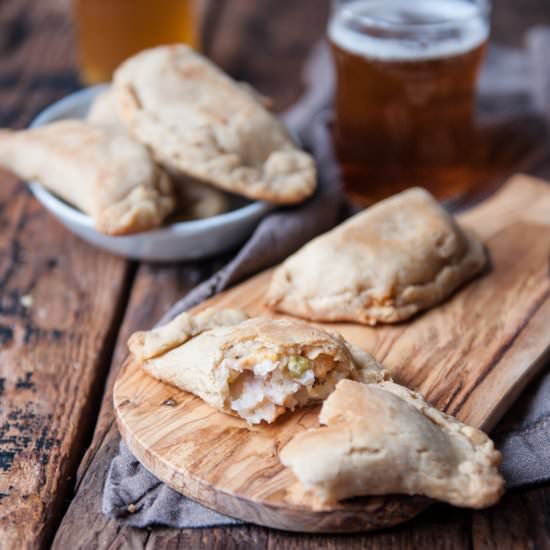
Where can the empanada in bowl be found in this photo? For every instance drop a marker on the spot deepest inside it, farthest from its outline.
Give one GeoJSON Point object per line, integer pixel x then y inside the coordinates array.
{"type": "Point", "coordinates": [255, 368]}
{"type": "Point", "coordinates": [202, 124]}
{"type": "Point", "coordinates": [383, 265]}
{"type": "Point", "coordinates": [104, 173]}
{"type": "Point", "coordinates": [194, 200]}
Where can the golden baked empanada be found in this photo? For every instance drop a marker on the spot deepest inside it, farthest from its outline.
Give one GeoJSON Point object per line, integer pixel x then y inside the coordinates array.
{"type": "Point", "coordinates": [201, 123]}
{"type": "Point", "coordinates": [385, 439]}
{"type": "Point", "coordinates": [398, 257]}
{"type": "Point", "coordinates": [255, 368]}
{"type": "Point", "coordinates": [105, 174]}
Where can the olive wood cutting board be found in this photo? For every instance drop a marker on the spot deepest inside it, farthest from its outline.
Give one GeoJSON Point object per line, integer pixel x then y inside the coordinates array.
{"type": "Point", "coordinates": [470, 357]}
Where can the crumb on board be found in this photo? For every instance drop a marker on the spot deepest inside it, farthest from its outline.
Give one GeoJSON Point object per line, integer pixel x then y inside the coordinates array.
{"type": "Point", "coordinates": [26, 300]}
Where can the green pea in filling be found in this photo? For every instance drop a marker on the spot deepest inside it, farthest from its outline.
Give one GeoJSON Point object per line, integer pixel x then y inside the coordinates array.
{"type": "Point", "coordinates": [298, 365]}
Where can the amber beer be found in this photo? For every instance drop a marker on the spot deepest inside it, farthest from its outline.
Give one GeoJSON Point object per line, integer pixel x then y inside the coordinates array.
{"type": "Point", "coordinates": [405, 97]}
{"type": "Point", "coordinates": [109, 31]}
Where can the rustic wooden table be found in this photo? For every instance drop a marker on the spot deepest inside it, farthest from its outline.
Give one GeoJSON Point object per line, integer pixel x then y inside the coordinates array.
{"type": "Point", "coordinates": [66, 309]}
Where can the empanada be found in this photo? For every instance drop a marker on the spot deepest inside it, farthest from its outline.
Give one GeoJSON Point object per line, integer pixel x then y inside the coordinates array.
{"type": "Point", "coordinates": [255, 368]}
{"type": "Point", "coordinates": [201, 123]}
{"type": "Point", "coordinates": [385, 439]}
{"type": "Point", "coordinates": [194, 200]}
{"type": "Point", "coordinates": [105, 174]}
{"type": "Point", "coordinates": [104, 111]}
{"type": "Point", "coordinates": [385, 264]}
{"type": "Point", "coordinates": [197, 200]}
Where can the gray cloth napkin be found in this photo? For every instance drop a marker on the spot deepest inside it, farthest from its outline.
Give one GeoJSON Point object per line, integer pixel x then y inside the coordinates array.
{"type": "Point", "coordinates": [513, 82]}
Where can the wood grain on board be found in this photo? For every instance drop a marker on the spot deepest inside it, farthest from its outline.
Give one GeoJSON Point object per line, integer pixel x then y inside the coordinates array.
{"type": "Point", "coordinates": [471, 357]}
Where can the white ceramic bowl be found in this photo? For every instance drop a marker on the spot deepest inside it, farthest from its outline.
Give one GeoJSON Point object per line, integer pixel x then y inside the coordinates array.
{"type": "Point", "coordinates": [189, 240]}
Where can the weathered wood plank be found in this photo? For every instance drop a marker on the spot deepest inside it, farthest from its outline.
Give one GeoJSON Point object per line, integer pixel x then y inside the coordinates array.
{"type": "Point", "coordinates": [37, 58]}
{"type": "Point", "coordinates": [441, 527]}
{"type": "Point", "coordinates": [521, 521]}
{"type": "Point", "coordinates": [265, 43]}
{"type": "Point", "coordinates": [84, 526]}
{"type": "Point", "coordinates": [60, 300]}
{"type": "Point", "coordinates": [59, 309]}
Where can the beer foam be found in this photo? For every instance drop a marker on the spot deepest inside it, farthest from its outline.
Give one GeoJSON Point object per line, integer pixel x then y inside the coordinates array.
{"type": "Point", "coordinates": [440, 28]}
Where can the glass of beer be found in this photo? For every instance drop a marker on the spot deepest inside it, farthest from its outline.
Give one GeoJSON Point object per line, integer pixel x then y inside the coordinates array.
{"type": "Point", "coordinates": [405, 94]}
{"type": "Point", "coordinates": [109, 31]}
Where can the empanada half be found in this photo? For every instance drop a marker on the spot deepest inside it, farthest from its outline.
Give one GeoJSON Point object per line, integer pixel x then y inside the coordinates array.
{"type": "Point", "coordinates": [106, 174]}
{"type": "Point", "coordinates": [383, 265]}
{"type": "Point", "coordinates": [385, 439]}
{"type": "Point", "coordinates": [254, 368]}
{"type": "Point", "coordinates": [201, 123]}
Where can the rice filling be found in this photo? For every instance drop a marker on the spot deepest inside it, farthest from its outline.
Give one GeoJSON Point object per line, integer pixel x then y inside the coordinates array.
{"type": "Point", "coordinates": [264, 383]}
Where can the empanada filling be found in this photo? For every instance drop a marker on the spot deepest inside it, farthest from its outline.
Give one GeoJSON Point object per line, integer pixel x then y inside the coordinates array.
{"type": "Point", "coordinates": [264, 382]}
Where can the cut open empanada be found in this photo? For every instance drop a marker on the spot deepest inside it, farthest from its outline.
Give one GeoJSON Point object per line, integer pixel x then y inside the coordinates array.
{"type": "Point", "coordinates": [201, 123]}
{"type": "Point", "coordinates": [385, 439]}
{"type": "Point", "coordinates": [255, 368]}
{"type": "Point", "coordinates": [105, 174]}
{"type": "Point", "coordinates": [383, 265]}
